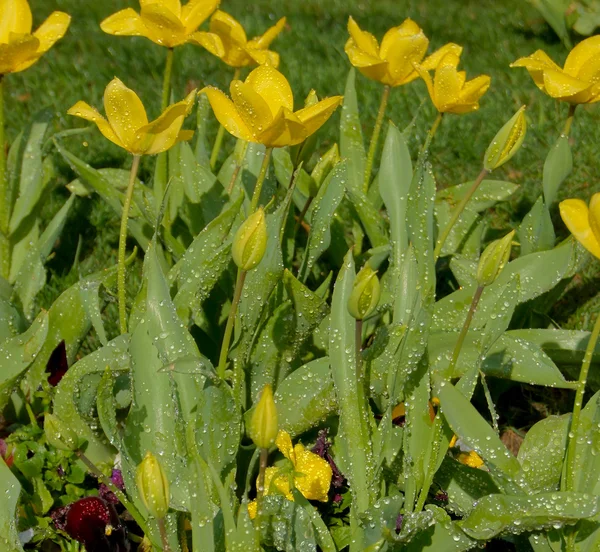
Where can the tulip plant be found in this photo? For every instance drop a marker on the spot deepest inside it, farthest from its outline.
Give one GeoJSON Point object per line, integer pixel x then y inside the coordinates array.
{"type": "Point", "coordinates": [314, 355]}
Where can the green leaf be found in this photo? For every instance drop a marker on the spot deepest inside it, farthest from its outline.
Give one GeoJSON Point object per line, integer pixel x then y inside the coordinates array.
{"type": "Point", "coordinates": [487, 194]}
{"type": "Point", "coordinates": [9, 490]}
{"type": "Point", "coordinates": [443, 535]}
{"type": "Point", "coordinates": [536, 232]}
{"type": "Point", "coordinates": [369, 216]}
{"type": "Point", "coordinates": [467, 229]}
{"type": "Point", "coordinates": [557, 167]}
{"type": "Point", "coordinates": [351, 140]}
{"type": "Point", "coordinates": [553, 11]}
{"type": "Point", "coordinates": [586, 463]}
{"type": "Point", "coordinates": [201, 148]}
{"type": "Point", "coordinates": [324, 539]}
{"type": "Point", "coordinates": [497, 514]}
{"type": "Point", "coordinates": [18, 353]}
{"type": "Point", "coordinates": [12, 321]}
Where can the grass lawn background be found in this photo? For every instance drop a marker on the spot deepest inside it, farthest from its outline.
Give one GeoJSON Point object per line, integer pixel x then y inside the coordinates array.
{"type": "Point", "coordinates": [492, 33]}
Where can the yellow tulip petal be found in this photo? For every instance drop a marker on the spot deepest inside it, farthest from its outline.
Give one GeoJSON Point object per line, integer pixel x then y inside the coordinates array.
{"type": "Point", "coordinates": [536, 64]}
{"type": "Point", "coordinates": [15, 17]}
{"type": "Point", "coordinates": [273, 87]}
{"type": "Point", "coordinates": [195, 12]}
{"type": "Point", "coordinates": [284, 444]}
{"type": "Point", "coordinates": [587, 51]}
{"type": "Point", "coordinates": [401, 47]}
{"type": "Point", "coordinates": [277, 482]}
{"type": "Point", "coordinates": [126, 23]}
{"type": "Point", "coordinates": [427, 79]}
{"type": "Point", "coordinates": [590, 72]}
{"type": "Point", "coordinates": [473, 90]}
{"type": "Point", "coordinates": [312, 475]}
{"type": "Point", "coordinates": [125, 113]}
{"type": "Point", "coordinates": [560, 85]}
{"type": "Point", "coordinates": [285, 130]}
{"type": "Point", "coordinates": [224, 24]}
{"type": "Point", "coordinates": [364, 41]}
{"type": "Point", "coordinates": [263, 57]}
{"type": "Point", "coordinates": [594, 216]}
{"type": "Point", "coordinates": [174, 6]}
{"type": "Point", "coordinates": [370, 66]}
{"type": "Point", "coordinates": [164, 26]}
{"type": "Point", "coordinates": [252, 509]}
{"type": "Point", "coordinates": [575, 215]}
{"type": "Point", "coordinates": [447, 83]}
{"type": "Point", "coordinates": [21, 53]}
{"type": "Point", "coordinates": [315, 116]}
{"type": "Point", "coordinates": [264, 41]}
{"type": "Point", "coordinates": [251, 106]}
{"type": "Point", "coordinates": [431, 62]}
{"type": "Point", "coordinates": [209, 41]}
{"type": "Point", "coordinates": [89, 113]}
{"type": "Point", "coordinates": [51, 30]}
{"type": "Point", "coordinates": [227, 115]}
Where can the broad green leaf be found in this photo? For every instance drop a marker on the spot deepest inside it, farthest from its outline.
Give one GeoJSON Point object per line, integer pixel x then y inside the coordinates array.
{"type": "Point", "coordinates": [12, 321]}
{"type": "Point", "coordinates": [497, 514]}
{"type": "Point", "coordinates": [586, 463]}
{"type": "Point", "coordinates": [106, 405]}
{"type": "Point", "coordinates": [464, 270]}
{"type": "Point", "coordinates": [379, 522]}
{"type": "Point", "coordinates": [487, 194]}
{"type": "Point", "coordinates": [558, 165]}
{"type": "Point", "coordinates": [467, 228]}
{"type": "Point", "coordinates": [588, 535]}
{"type": "Point", "coordinates": [351, 140]}
{"type": "Point", "coordinates": [10, 490]}
{"type": "Point", "coordinates": [323, 536]}
{"type": "Point", "coordinates": [369, 216]}
{"type": "Point", "coordinates": [18, 353]}
{"type": "Point", "coordinates": [536, 232]}
{"type": "Point", "coordinates": [553, 11]}
{"type": "Point", "coordinates": [443, 535]}
{"type": "Point", "coordinates": [201, 148]}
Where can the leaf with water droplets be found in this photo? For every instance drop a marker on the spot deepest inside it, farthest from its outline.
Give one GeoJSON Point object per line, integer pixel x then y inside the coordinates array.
{"type": "Point", "coordinates": [558, 165]}
{"type": "Point", "coordinates": [351, 140]}
{"type": "Point", "coordinates": [536, 232]}
{"type": "Point", "coordinates": [9, 490]}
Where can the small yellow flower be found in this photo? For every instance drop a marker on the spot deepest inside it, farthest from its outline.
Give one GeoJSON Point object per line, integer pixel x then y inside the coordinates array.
{"type": "Point", "coordinates": [401, 47]}
{"type": "Point", "coordinates": [312, 474]}
{"type": "Point", "coordinates": [577, 82]}
{"type": "Point", "coordinates": [166, 22]}
{"type": "Point", "coordinates": [128, 126]}
{"type": "Point", "coordinates": [582, 222]}
{"type": "Point", "coordinates": [471, 459]}
{"type": "Point", "coordinates": [237, 50]}
{"type": "Point", "coordinates": [449, 90]}
{"type": "Point", "coordinates": [262, 110]}
{"type": "Point", "coordinates": [19, 47]}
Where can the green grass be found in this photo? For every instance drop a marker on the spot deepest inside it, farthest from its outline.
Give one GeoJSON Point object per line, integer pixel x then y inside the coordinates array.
{"type": "Point", "coordinates": [493, 35]}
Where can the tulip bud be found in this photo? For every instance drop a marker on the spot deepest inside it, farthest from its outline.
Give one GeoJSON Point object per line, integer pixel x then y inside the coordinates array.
{"type": "Point", "coordinates": [250, 241]}
{"type": "Point", "coordinates": [365, 293]}
{"type": "Point", "coordinates": [493, 259]}
{"type": "Point", "coordinates": [325, 165]}
{"type": "Point", "coordinates": [263, 425]}
{"type": "Point", "coordinates": [59, 434]}
{"type": "Point", "coordinates": [153, 486]}
{"type": "Point", "coordinates": [507, 142]}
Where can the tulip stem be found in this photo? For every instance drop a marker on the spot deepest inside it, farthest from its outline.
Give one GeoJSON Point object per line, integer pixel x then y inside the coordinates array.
{"type": "Point", "coordinates": [163, 534]}
{"type": "Point", "coordinates": [569, 121]}
{"type": "Point", "coordinates": [262, 467]}
{"type": "Point", "coordinates": [239, 161]}
{"type": "Point", "coordinates": [166, 91]}
{"type": "Point", "coordinates": [431, 134]}
{"type": "Point", "coordinates": [122, 245]}
{"type": "Point", "coordinates": [303, 214]}
{"type": "Point", "coordinates": [239, 285]}
{"type": "Point", "coordinates": [385, 95]}
{"type": "Point", "coordinates": [214, 154]}
{"type": "Point", "coordinates": [260, 180]}
{"type": "Point", "coordinates": [457, 212]}
{"type": "Point", "coordinates": [4, 197]}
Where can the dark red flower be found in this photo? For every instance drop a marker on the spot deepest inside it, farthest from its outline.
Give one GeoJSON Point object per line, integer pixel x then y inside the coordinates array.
{"type": "Point", "coordinates": [57, 364]}
{"type": "Point", "coordinates": [5, 454]}
{"type": "Point", "coordinates": [321, 448]}
{"type": "Point", "coordinates": [93, 522]}
{"type": "Point", "coordinates": [106, 493]}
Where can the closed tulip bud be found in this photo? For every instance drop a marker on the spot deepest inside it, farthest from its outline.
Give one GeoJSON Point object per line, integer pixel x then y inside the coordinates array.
{"type": "Point", "coordinates": [263, 427]}
{"type": "Point", "coordinates": [59, 434]}
{"type": "Point", "coordinates": [250, 241]}
{"type": "Point", "coordinates": [153, 486]}
{"type": "Point", "coordinates": [325, 165]}
{"type": "Point", "coordinates": [507, 142]}
{"type": "Point", "coordinates": [365, 293]}
{"type": "Point", "coordinates": [493, 259]}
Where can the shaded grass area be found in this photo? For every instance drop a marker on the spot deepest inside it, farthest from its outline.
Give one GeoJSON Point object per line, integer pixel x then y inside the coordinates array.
{"type": "Point", "coordinates": [493, 35]}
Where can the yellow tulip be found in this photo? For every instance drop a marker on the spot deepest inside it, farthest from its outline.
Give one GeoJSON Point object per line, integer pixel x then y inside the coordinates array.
{"type": "Point", "coordinates": [262, 110]}
{"type": "Point", "coordinates": [401, 47]}
{"type": "Point", "coordinates": [127, 124]}
{"type": "Point", "coordinates": [312, 474]}
{"type": "Point", "coordinates": [449, 90]}
{"type": "Point", "coordinates": [166, 22]}
{"type": "Point", "coordinates": [19, 47]}
{"type": "Point", "coordinates": [582, 222]}
{"type": "Point", "coordinates": [577, 82]}
{"type": "Point", "coordinates": [237, 50]}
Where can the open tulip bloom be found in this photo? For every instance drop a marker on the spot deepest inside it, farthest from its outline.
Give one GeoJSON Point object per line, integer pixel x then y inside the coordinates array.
{"type": "Point", "coordinates": [127, 123]}
{"type": "Point", "coordinates": [449, 90]}
{"type": "Point", "coordinates": [237, 50]}
{"type": "Point", "coordinates": [583, 222]}
{"type": "Point", "coordinates": [166, 22]}
{"type": "Point", "coordinates": [578, 82]}
{"type": "Point", "coordinates": [261, 110]}
{"type": "Point", "coordinates": [19, 47]}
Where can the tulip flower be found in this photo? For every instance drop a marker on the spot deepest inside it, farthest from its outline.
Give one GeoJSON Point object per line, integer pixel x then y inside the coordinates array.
{"type": "Point", "coordinates": [312, 474]}
{"type": "Point", "coordinates": [582, 222]}
{"type": "Point", "coordinates": [237, 51]}
{"type": "Point", "coordinates": [262, 110]}
{"type": "Point", "coordinates": [19, 47]}
{"type": "Point", "coordinates": [449, 90]}
{"type": "Point", "coordinates": [578, 82]}
{"type": "Point", "coordinates": [165, 22]}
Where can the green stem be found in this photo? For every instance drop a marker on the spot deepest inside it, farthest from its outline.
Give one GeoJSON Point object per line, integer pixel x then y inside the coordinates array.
{"type": "Point", "coordinates": [163, 534]}
{"type": "Point", "coordinates": [122, 244]}
{"type": "Point", "coordinates": [302, 214]}
{"type": "Point", "coordinates": [239, 285]}
{"type": "Point", "coordinates": [239, 161]}
{"type": "Point", "coordinates": [431, 134]}
{"type": "Point", "coordinates": [260, 486]}
{"type": "Point", "coordinates": [567, 128]}
{"type": "Point", "coordinates": [166, 91]}
{"type": "Point", "coordinates": [583, 374]}
{"type": "Point", "coordinates": [358, 344]}
{"type": "Point", "coordinates": [375, 136]}
{"type": "Point", "coordinates": [260, 180]}
{"type": "Point", "coordinates": [457, 212]}
{"type": "Point", "coordinates": [4, 199]}
{"type": "Point", "coordinates": [214, 155]}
